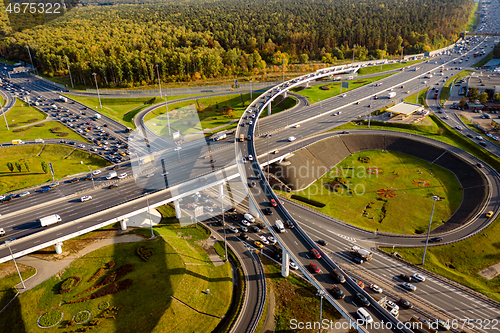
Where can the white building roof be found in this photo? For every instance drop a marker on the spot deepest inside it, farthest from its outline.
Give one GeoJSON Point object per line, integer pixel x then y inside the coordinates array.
{"type": "Point", "coordinates": [405, 108]}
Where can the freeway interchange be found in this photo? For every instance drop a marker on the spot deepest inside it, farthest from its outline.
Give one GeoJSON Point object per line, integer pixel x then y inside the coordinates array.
{"type": "Point", "coordinates": [20, 222]}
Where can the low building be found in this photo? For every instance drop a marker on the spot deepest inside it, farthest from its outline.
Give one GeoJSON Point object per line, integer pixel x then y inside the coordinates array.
{"type": "Point", "coordinates": [404, 110]}
{"type": "Point", "coordinates": [492, 65]}
{"type": "Point", "coordinates": [495, 123]}
{"type": "Point", "coordinates": [489, 83]}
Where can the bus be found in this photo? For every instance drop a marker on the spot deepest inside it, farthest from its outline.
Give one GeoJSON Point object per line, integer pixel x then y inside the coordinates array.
{"type": "Point", "coordinates": [145, 160]}
{"type": "Point", "coordinates": [242, 138]}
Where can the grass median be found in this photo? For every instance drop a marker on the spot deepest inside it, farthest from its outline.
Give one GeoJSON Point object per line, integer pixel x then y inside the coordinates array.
{"type": "Point", "coordinates": [65, 161]}
{"type": "Point", "coordinates": [445, 91]}
{"type": "Point", "coordinates": [320, 92]}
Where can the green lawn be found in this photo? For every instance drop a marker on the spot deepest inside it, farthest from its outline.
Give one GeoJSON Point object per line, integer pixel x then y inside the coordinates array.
{"type": "Point", "coordinates": [361, 205]}
{"type": "Point", "coordinates": [438, 131]}
{"type": "Point", "coordinates": [179, 267]}
{"type": "Point", "coordinates": [8, 283]}
{"type": "Point", "coordinates": [20, 115]}
{"type": "Point", "coordinates": [445, 91]}
{"type": "Point", "coordinates": [193, 116]}
{"type": "Point", "coordinates": [11, 181]}
{"type": "Point", "coordinates": [421, 97]}
{"type": "Point", "coordinates": [316, 94]}
{"type": "Point", "coordinates": [462, 261]}
{"type": "Point", "coordinates": [386, 67]}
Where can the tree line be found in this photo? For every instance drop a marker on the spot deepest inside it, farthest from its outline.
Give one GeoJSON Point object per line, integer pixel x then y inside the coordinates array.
{"type": "Point", "coordinates": [192, 40]}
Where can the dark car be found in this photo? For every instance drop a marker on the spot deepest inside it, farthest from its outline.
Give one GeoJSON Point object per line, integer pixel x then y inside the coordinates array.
{"type": "Point", "coordinates": [479, 165]}
{"type": "Point", "coordinates": [268, 211]}
{"type": "Point", "coordinates": [113, 186]}
{"type": "Point", "coordinates": [244, 236]}
{"type": "Point", "coordinates": [72, 143]}
{"type": "Point", "coordinates": [322, 242]}
{"type": "Point", "coordinates": [45, 189]}
{"type": "Point", "coordinates": [289, 224]}
{"type": "Point", "coordinates": [255, 228]}
{"type": "Point", "coordinates": [213, 161]}
{"type": "Point", "coordinates": [357, 260]}
{"type": "Point", "coordinates": [436, 239]}
{"type": "Point", "coordinates": [116, 167]}
{"type": "Point", "coordinates": [362, 299]}
{"type": "Point", "coordinates": [337, 292]}
{"type": "Point", "coordinates": [405, 304]}
{"type": "Point", "coordinates": [253, 184]}
{"type": "Point", "coordinates": [261, 225]}
{"type": "Point", "coordinates": [8, 198]}
{"type": "Point", "coordinates": [88, 177]}
{"type": "Point", "coordinates": [74, 180]}
{"type": "Point", "coordinates": [405, 277]}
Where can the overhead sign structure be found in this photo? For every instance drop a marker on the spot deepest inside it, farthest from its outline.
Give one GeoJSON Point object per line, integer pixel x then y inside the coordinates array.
{"type": "Point", "coordinates": [345, 85]}
{"type": "Point", "coordinates": [176, 135]}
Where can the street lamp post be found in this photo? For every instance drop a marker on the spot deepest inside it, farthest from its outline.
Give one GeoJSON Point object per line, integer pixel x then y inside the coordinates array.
{"type": "Point", "coordinates": [251, 91]}
{"type": "Point", "coordinates": [161, 97]}
{"type": "Point", "coordinates": [268, 153]}
{"type": "Point", "coordinates": [31, 59]}
{"type": "Point", "coordinates": [69, 71]}
{"type": "Point", "coordinates": [149, 215]}
{"type": "Point", "coordinates": [283, 69]}
{"type": "Point", "coordinates": [353, 51]}
{"type": "Point", "coordinates": [223, 224]}
{"type": "Point", "coordinates": [98, 96]}
{"type": "Point", "coordinates": [321, 294]}
{"type": "Point", "coordinates": [15, 263]}
{"type": "Point", "coordinates": [435, 198]}
{"type": "Point", "coordinates": [4, 117]}
{"type": "Point", "coordinates": [91, 176]}
{"type": "Point", "coordinates": [402, 48]}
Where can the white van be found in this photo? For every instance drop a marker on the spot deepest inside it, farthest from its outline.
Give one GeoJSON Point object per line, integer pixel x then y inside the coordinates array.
{"type": "Point", "coordinates": [364, 316]}
{"type": "Point", "coordinates": [249, 217]}
{"type": "Point", "coordinates": [112, 174]}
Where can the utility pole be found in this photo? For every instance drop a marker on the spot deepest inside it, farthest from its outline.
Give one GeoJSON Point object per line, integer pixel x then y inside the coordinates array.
{"type": "Point", "coordinates": [14, 259]}
{"type": "Point", "coordinates": [435, 198]}
{"type": "Point", "coordinates": [98, 96]}
{"type": "Point", "coordinates": [32, 65]}
{"type": "Point", "coordinates": [150, 221]}
{"type": "Point", "coordinates": [321, 294]}
{"type": "Point", "coordinates": [69, 71]}
{"type": "Point", "coordinates": [4, 117]}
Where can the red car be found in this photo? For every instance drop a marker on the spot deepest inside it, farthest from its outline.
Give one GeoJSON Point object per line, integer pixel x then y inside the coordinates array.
{"type": "Point", "coordinates": [316, 254]}
{"type": "Point", "coordinates": [273, 203]}
{"type": "Point", "coordinates": [315, 268]}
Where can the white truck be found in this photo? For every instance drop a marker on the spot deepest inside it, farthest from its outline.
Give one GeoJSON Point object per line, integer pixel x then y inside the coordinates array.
{"type": "Point", "coordinates": [97, 116]}
{"type": "Point", "coordinates": [280, 227]}
{"type": "Point", "coordinates": [392, 94]}
{"type": "Point", "coordinates": [361, 253]}
{"type": "Point", "coordinates": [17, 142]}
{"type": "Point", "coordinates": [112, 174]}
{"type": "Point", "coordinates": [39, 141]}
{"type": "Point", "coordinates": [220, 137]}
{"type": "Point", "coordinates": [48, 220]}
{"type": "Point", "coordinates": [63, 99]}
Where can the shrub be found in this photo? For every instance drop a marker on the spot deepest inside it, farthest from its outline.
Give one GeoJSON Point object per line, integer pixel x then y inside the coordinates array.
{"type": "Point", "coordinates": [19, 129]}
{"type": "Point", "coordinates": [308, 201]}
{"type": "Point", "coordinates": [109, 289]}
{"type": "Point", "coordinates": [62, 134]}
{"type": "Point", "coordinates": [50, 318]}
{"type": "Point", "coordinates": [69, 284]}
{"type": "Point", "coordinates": [110, 277]}
{"type": "Point", "coordinates": [39, 125]}
{"type": "Point", "coordinates": [55, 129]}
{"type": "Point", "coordinates": [144, 252]}
{"type": "Point", "coordinates": [31, 120]}
{"type": "Point", "coordinates": [325, 87]}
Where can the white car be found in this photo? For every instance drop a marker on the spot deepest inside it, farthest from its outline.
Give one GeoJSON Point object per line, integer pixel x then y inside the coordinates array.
{"type": "Point", "coordinates": [264, 240]}
{"type": "Point", "coordinates": [177, 148]}
{"type": "Point", "coordinates": [249, 217]}
{"type": "Point", "coordinates": [233, 229]}
{"type": "Point", "coordinates": [81, 146]}
{"type": "Point", "coordinates": [296, 126]}
{"type": "Point", "coordinates": [293, 265]}
{"type": "Point", "coordinates": [165, 173]}
{"type": "Point", "coordinates": [244, 160]}
{"type": "Point", "coordinates": [418, 277]}
{"type": "Point", "coordinates": [459, 128]}
{"type": "Point", "coordinates": [271, 239]}
{"type": "Point", "coordinates": [391, 305]}
{"type": "Point", "coordinates": [250, 122]}
{"type": "Point", "coordinates": [344, 95]}
{"type": "Point", "coordinates": [2, 232]}
{"type": "Point", "coordinates": [86, 198]}
{"type": "Point", "coordinates": [245, 223]}
{"type": "Point", "coordinates": [376, 288]}
{"type": "Point", "coordinates": [149, 175]}
{"type": "Point", "coordinates": [96, 172]}
{"type": "Point", "coordinates": [250, 157]}
{"type": "Point", "coordinates": [2, 197]}
{"type": "Point", "coordinates": [408, 286]}
{"type": "Point", "coordinates": [123, 175]}
{"type": "Point", "coordinates": [24, 194]}
{"type": "Point", "coordinates": [292, 138]}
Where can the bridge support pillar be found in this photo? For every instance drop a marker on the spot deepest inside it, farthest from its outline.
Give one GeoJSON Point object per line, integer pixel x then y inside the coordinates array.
{"type": "Point", "coordinates": [307, 84]}
{"type": "Point", "coordinates": [285, 264]}
{"type": "Point", "coordinates": [221, 190]}
{"type": "Point", "coordinates": [123, 224]}
{"type": "Point", "coordinates": [253, 209]}
{"type": "Point", "coordinates": [177, 209]}
{"type": "Point", "coordinates": [285, 94]}
{"type": "Point", "coordinates": [58, 247]}
{"type": "Point", "coordinates": [269, 109]}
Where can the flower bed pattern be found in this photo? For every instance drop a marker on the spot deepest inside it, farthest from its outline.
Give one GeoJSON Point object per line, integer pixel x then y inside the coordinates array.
{"type": "Point", "coordinates": [50, 319]}
{"type": "Point", "coordinates": [69, 284]}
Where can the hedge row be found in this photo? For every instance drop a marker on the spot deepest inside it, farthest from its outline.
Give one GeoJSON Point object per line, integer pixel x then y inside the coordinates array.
{"type": "Point", "coordinates": [144, 252]}
{"type": "Point", "coordinates": [108, 290]}
{"type": "Point", "coordinates": [101, 270]}
{"type": "Point", "coordinates": [69, 284]}
{"type": "Point", "coordinates": [308, 201]}
{"type": "Point", "coordinates": [39, 125]}
{"type": "Point", "coordinates": [325, 87]}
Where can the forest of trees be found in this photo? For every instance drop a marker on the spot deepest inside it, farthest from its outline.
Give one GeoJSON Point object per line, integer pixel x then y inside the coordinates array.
{"type": "Point", "coordinates": [123, 40]}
